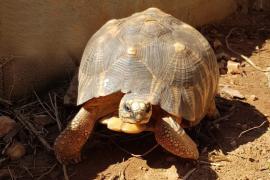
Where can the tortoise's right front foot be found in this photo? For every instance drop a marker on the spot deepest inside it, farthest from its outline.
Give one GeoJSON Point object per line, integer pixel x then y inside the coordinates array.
{"type": "Point", "coordinates": [68, 144]}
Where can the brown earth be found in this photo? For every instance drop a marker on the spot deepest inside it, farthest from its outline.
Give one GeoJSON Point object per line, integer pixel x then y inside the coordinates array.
{"type": "Point", "coordinates": [235, 147]}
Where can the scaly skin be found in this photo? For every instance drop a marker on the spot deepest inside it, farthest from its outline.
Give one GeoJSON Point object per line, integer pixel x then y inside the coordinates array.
{"type": "Point", "coordinates": [69, 143]}
{"type": "Point", "coordinates": [172, 137]}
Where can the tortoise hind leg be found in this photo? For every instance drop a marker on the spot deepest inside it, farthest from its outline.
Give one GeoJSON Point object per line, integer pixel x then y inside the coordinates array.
{"type": "Point", "coordinates": [69, 143]}
{"type": "Point", "coordinates": [213, 112]}
{"type": "Point", "coordinates": [171, 136]}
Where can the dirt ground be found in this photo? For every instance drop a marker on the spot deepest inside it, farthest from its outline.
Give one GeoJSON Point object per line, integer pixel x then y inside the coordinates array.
{"type": "Point", "coordinates": [236, 146]}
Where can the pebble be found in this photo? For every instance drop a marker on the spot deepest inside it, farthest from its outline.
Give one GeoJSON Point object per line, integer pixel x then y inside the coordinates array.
{"type": "Point", "coordinates": [233, 93]}
{"type": "Point", "coordinates": [15, 151]}
{"type": "Point", "coordinates": [253, 97]}
{"type": "Point", "coordinates": [233, 67]}
{"type": "Point", "coordinates": [6, 125]}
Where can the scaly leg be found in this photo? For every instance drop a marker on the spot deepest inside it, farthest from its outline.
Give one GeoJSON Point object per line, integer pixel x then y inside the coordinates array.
{"type": "Point", "coordinates": [171, 136]}
{"type": "Point", "coordinates": [69, 143]}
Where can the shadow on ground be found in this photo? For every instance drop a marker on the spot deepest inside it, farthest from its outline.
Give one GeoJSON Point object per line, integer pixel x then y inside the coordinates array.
{"type": "Point", "coordinates": [222, 135]}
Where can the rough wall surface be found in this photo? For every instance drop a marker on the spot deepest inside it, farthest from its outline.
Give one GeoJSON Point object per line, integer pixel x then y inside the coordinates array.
{"type": "Point", "coordinates": [42, 41]}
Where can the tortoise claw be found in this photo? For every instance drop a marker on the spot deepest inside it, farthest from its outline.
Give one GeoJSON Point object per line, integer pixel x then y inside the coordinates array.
{"type": "Point", "coordinates": [70, 159]}
{"type": "Point", "coordinates": [66, 153]}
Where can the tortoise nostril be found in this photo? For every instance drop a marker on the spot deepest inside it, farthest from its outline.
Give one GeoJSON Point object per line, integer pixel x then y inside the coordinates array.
{"type": "Point", "coordinates": [147, 107]}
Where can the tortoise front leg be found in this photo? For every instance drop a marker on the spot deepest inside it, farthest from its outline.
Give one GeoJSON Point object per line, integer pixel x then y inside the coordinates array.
{"type": "Point", "coordinates": [69, 143]}
{"type": "Point", "coordinates": [171, 136]}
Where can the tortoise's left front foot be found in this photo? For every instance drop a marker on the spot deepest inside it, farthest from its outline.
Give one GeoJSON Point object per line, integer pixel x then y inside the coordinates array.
{"type": "Point", "coordinates": [171, 136]}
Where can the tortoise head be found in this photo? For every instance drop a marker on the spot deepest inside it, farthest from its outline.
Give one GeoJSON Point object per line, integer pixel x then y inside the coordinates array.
{"type": "Point", "coordinates": [135, 109]}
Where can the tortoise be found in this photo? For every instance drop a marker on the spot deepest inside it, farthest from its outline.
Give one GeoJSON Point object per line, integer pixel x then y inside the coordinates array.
{"type": "Point", "coordinates": [146, 72]}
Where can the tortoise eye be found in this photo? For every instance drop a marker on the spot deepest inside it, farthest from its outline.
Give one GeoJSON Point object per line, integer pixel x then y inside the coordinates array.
{"type": "Point", "coordinates": [127, 108]}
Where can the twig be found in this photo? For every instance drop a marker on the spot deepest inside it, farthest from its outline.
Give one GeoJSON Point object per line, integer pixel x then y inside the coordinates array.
{"type": "Point", "coordinates": [27, 170]}
{"type": "Point", "coordinates": [5, 102]}
{"type": "Point", "coordinates": [57, 114]}
{"type": "Point", "coordinates": [55, 110]}
{"type": "Point", "coordinates": [64, 167]}
{"type": "Point", "coordinates": [40, 102]}
{"type": "Point", "coordinates": [256, 127]}
{"type": "Point", "coordinates": [47, 172]}
{"type": "Point", "coordinates": [232, 109]}
{"type": "Point", "coordinates": [249, 61]}
{"type": "Point", "coordinates": [33, 130]}
{"type": "Point", "coordinates": [10, 174]}
{"type": "Point", "coordinates": [2, 160]}
{"type": "Point", "coordinates": [27, 105]}
{"type": "Point", "coordinates": [137, 155]}
{"type": "Point", "coordinates": [188, 174]}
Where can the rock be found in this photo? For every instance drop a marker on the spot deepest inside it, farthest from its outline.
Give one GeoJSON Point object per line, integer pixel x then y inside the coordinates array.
{"type": "Point", "coordinates": [15, 151]}
{"type": "Point", "coordinates": [232, 93]}
{"type": "Point", "coordinates": [6, 125]}
{"type": "Point", "coordinates": [233, 58]}
{"type": "Point", "coordinates": [233, 67]}
{"type": "Point", "coordinates": [253, 97]}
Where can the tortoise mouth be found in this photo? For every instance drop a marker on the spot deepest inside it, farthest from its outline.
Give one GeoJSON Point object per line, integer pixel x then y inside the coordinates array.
{"type": "Point", "coordinates": [135, 121]}
{"type": "Point", "coordinates": [117, 124]}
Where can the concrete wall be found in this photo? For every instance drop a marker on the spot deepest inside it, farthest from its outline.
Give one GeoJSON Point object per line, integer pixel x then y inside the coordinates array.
{"type": "Point", "coordinates": [42, 41]}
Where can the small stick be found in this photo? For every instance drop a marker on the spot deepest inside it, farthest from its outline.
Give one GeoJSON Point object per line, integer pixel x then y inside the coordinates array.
{"type": "Point", "coordinates": [57, 114]}
{"type": "Point", "coordinates": [5, 102]}
{"type": "Point", "coordinates": [27, 170]}
{"type": "Point", "coordinates": [10, 174]}
{"type": "Point", "coordinates": [33, 130]}
{"type": "Point", "coordinates": [249, 61]}
{"type": "Point", "coordinates": [40, 102]}
{"type": "Point", "coordinates": [64, 167]}
{"type": "Point", "coordinates": [189, 173]}
{"type": "Point", "coordinates": [48, 172]}
{"type": "Point", "coordinates": [256, 127]}
{"type": "Point", "coordinates": [137, 155]}
{"type": "Point", "coordinates": [232, 109]}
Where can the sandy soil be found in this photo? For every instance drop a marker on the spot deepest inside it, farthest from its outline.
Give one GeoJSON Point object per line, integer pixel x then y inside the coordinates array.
{"type": "Point", "coordinates": [235, 147]}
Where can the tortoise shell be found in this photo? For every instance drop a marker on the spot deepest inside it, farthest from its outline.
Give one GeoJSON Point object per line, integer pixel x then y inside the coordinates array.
{"type": "Point", "coordinates": [155, 55]}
